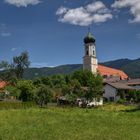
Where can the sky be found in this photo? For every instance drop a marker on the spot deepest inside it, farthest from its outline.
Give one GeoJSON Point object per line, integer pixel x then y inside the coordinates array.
{"type": "Point", "coordinates": [52, 31]}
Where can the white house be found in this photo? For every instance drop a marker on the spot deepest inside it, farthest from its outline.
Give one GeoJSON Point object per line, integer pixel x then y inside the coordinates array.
{"type": "Point", "coordinates": [111, 89]}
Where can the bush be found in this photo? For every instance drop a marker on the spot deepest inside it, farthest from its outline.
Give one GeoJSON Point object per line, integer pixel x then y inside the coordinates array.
{"type": "Point", "coordinates": [121, 101]}
{"type": "Point", "coordinates": [26, 90]}
{"type": "Point", "coordinates": [43, 95]}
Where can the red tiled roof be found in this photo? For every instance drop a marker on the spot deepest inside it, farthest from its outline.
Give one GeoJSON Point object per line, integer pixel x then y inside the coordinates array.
{"type": "Point", "coordinates": [106, 71]}
{"type": "Point", "coordinates": [2, 84]}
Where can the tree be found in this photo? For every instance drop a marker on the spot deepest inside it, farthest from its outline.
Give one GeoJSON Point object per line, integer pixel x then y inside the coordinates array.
{"type": "Point", "coordinates": [27, 90]}
{"type": "Point", "coordinates": [67, 79]}
{"type": "Point", "coordinates": [6, 72]}
{"type": "Point", "coordinates": [4, 65]}
{"type": "Point", "coordinates": [14, 71]}
{"type": "Point", "coordinates": [83, 77]}
{"type": "Point", "coordinates": [67, 89]}
{"type": "Point", "coordinates": [14, 91]}
{"type": "Point", "coordinates": [43, 95]}
{"type": "Point", "coordinates": [133, 95]}
{"type": "Point", "coordinates": [58, 80]}
{"type": "Point", "coordinates": [37, 82]}
{"type": "Point", "coordinates": [95, 87]}
{"type": "Point", "coordinates": [93, 83]}
{"type": "Point", "coordinates": [20, 63]}
{"type": "Point", "coordinates": [138, 96]}
{"type": "Point", "coordinates": [76, 88]}
{"type": "Point", "coordinates": [47, 81]}
{"type": "Point", "coordinates": [71, 98]}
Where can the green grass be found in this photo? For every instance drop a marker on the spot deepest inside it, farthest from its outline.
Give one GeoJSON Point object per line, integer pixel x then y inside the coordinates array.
{"type": "Point", "coordinates": [16, 105]}
{"type": "Point", "coordinates": [106, 123]}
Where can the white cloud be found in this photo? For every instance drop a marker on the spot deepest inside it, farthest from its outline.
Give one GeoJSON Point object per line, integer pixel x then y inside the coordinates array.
{"type": "Point", "coordinates": [22, 3]}
{"type": "Point", "coordinates": [93, 7]}
{"type": "Point", "coordinates": [13, 49]}
{"type": "Point", "coordinates": [134, 6]}
{"type": "Point", "coordinates": [61, 10]}
{"type": "Point", "coordinates": [5, 34]}
{"type": "Point", "coordinates": [95, 12]}
{"type": "Point", "coordinates": [138, 36]}
{"type": "Point", "coordinates": [39, 64]}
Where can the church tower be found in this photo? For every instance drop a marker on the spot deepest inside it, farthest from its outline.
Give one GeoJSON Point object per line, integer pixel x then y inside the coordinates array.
{"type": "Point", "coordinates": [90, 61]}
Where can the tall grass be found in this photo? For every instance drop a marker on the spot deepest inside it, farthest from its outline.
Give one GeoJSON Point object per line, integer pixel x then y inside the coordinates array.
{"type": "Point", "coordinates": [16, 105]}
{"type": "Point", "coordinates": [69, 124]}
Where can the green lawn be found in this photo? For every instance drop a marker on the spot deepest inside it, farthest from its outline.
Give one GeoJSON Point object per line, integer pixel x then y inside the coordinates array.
{"type": "Point", "coordinates": [106, 123]}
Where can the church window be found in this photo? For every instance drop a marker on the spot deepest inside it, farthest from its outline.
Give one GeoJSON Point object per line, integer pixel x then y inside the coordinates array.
{"type": "Point", "coordinates": [87, 52]}
{"type": "Point", "coordinates": [93, 52]}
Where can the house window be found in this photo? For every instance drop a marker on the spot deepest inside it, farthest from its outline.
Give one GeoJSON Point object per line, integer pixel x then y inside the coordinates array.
{"type": "Point", "coordinates": [111, 99]}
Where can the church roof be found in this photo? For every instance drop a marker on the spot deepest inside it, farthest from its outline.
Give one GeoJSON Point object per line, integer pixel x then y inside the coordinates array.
{"type": "Point", "coordinates": [107, 71]}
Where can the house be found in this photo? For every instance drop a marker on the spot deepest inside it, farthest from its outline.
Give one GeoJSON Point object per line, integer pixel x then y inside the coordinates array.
{"type": "Point", "coordinates": [2, 86]}
{"type": "Point", "coordinates": [112, 89]}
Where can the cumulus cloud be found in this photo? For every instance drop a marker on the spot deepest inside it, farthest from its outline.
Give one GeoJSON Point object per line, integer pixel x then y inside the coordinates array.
{"type": "Point", "coordinates": [22, 3]}
{"type": "Point", "coordinates": [95, 12]}
{"type": "Point", "coordinates": [133, 5]}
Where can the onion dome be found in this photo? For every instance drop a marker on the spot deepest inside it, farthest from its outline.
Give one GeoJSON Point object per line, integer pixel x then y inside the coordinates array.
{"type": "Point", "coordinates": [89, 38]}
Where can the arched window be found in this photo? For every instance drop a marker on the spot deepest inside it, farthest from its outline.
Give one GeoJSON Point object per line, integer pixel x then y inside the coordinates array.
{"type": "Point", "coordinates": [87, 52]}
{"type": "Point", "coordinates": [93, 52]}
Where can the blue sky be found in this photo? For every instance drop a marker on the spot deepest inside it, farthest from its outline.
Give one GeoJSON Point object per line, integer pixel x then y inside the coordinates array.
{"type": "Point", "coordinates": [52, 31]}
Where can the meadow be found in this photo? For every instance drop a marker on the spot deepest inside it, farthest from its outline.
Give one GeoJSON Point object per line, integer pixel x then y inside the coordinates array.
{"type": "Point", "coordinates": [110, 122]}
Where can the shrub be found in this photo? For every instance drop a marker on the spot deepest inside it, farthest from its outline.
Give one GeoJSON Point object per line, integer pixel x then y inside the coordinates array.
{"type": "Point", "coordinates": [121, 101]}
{"type": "Point", "coordinates": [26, 88]}
{"type": "Point", "coordinates": [43, 95]}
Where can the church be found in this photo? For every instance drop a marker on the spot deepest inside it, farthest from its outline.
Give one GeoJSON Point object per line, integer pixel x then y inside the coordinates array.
{"type": "Point", "coordinates": [90, 62]}
{"type": "Point", "coordinates": [115, 81]}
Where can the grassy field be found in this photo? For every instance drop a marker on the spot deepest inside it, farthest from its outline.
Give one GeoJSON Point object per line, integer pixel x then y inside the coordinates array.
{"type": "Point", "coordinates": [110, 122]}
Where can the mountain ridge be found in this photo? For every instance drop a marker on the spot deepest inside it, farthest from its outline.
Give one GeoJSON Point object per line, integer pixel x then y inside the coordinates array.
{"type": "Point", "coordinates": [130, 67]}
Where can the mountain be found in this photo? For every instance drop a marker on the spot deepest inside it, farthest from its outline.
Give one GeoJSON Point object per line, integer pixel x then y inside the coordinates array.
{"type": "Point", "coordinates": [47, 71]}
{"type": "Point", "coordinates": [117, 64]}
{"type": "Point", "coordinates": [130, 67]}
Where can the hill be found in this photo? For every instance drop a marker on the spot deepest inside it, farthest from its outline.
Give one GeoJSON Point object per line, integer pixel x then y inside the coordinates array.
{"type": "Point", "coordinates": [48, 71]}
{"type": "Point", "coordinates": [131, 67]}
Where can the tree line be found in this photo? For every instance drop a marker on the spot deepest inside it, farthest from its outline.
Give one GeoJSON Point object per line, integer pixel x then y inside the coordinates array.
{"type": "Point", "coordinates": [80, 84]}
